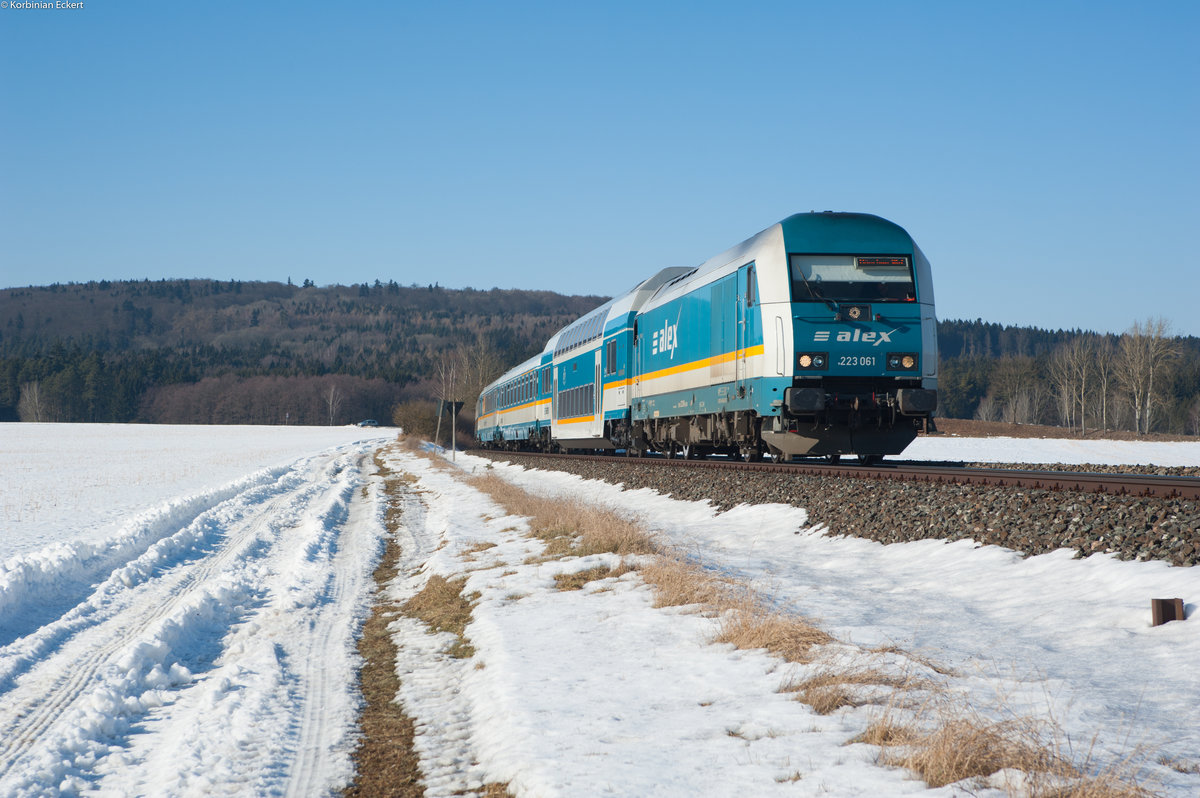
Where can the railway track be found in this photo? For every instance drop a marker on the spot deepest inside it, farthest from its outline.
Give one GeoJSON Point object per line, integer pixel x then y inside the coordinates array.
{"type": "Point", "coordinates": [1156, 486]}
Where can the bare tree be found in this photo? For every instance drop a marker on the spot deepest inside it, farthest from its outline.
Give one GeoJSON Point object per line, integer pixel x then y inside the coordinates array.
{"type": "Point", "coordinates": [1058, 371]}
{"type": "Point", "coordinates": [1016, 381]}
{"type": "Point", "coordinates": [1144, 353]}
{"type": "Point", "coordinates": [476, 365]}
{"type": "Point", "coordinates": [989, 409]}
{"type": "Point", "coordinates": [31, 406]}
{"type": "Point", "coordinates": [333, 401]}
{"type": "Point", "coordinates": [1083, 360]}
{"type": "Point", "coordinates": [1105, 357]}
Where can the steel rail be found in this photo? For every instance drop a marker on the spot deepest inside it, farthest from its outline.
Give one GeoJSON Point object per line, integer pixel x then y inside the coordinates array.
{"type": "Point", "coordinates": [1147, 485]}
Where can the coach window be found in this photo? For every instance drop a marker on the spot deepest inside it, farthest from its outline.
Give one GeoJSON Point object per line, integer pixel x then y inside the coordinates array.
{"type": "Point", "coordinates": [610, 358]}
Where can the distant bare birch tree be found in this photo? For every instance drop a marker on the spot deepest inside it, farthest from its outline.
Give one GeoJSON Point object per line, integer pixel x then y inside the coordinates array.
{"type": "Point", "coordinates": [1058, 372]}
{"type": "Point", "coordinates": [1070, 368]}
{"type": "Point", "coordinates": [1144, 353]}
{"type": "Point", "coordinates": [31, 406]}
{"type": "Point", "coordinates": [1105, 365]}
{"type": "Point", "coordinates": [476, 365]}
{"type": "Point", "coordinates": [333, 401]}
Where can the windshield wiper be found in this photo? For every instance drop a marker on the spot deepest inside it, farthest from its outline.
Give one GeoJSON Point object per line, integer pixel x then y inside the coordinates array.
{"type": "Point", "coordinates": [815, 294]}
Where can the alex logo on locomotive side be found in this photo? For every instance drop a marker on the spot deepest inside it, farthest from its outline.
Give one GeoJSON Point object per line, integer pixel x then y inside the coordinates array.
{"type": "Point", "coordinates": [666, 339]}
{"type": "Point", "coordinates": [846, 336]}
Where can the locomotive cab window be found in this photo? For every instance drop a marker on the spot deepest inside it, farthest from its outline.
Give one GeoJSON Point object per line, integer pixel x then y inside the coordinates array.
{"type": "Point", "coordinates": [851, 278]}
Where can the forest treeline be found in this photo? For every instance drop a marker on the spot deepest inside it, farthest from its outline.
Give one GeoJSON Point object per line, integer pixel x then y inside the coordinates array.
{"type": "Point", "coordinates": [211, 352]}
{"type": "Point", "coordinates": [233, 352]}
{"type": "Point", "coordinates": [1143, 380]}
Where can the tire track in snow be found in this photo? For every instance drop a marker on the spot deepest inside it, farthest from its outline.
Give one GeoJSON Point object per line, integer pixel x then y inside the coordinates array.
{"type": "Point", "coordinates": [53, 685]}
{"type": "Point", "coordinates": [158, 599]}
{"type": "Point", "coordinates": [359, 542]}
{"type": "Point", "coordinates": [194, 536]}
{"type": "Point", "coordinates": [38, 588]}
{"type": "Point", "coordinates": [278, 711]}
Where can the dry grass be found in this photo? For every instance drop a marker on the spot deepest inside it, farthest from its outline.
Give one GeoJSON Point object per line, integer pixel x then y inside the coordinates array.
{"type": "Point", "coordinates": [678, 582]}
{"type": "Point", "coordinates": [567, 527]}
{"type": "Point", "coordinates": [914, 657]}
{"type": "Point", "coordinates": [577, 580]}
{"type": "Point", "coordinates": [385, 763]}
{"type": "Point", "coordinates": [1099, 786]}
{"type": "Point", "coordinates": [833, 688]}
{"type": "Point", "coordinates": [884, 732]}
{"type": "Point", "coordinates": [469, 553]}
{"type": "Point", "coordinates": [747, 621]}
{"type": "Point", "coordinates": [946, 742]}
{"type": "Point", "coordinates": [968, 745]}
{"type": "Point", "coordinates": [1180, 765]}
{"type": "Point", "coordinates": [411, 443]}
{"type": "Point", "coordinates": [442, 606]}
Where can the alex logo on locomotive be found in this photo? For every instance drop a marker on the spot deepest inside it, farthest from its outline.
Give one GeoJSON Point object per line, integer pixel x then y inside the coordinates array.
{"type": "Point", "coordinates": [666, 339]}
{"type": "Point", "coordinates": [866, 337]}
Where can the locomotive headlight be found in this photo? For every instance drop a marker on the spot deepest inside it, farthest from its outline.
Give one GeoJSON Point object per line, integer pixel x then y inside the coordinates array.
{"type": "Point", "coordinates": [902, 361]}
{"type": "Point", "coordinates": [811, 360]}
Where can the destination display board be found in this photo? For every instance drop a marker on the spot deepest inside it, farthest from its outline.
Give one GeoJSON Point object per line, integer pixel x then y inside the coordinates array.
{"type": "Point", "coordinates": [882, 263]}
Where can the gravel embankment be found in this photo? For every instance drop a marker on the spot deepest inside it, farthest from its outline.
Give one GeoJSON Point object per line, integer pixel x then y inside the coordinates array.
{"type": "Point", "coordinates": [1147, 470]}
{"type": "Point", "coordinates": [1028, 521]}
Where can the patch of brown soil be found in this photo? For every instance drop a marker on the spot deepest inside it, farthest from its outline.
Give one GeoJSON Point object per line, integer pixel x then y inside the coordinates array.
{"type": "Point", "coordinates": [385, 762]}
{"type": "Point", "coordinates": [968, 428]}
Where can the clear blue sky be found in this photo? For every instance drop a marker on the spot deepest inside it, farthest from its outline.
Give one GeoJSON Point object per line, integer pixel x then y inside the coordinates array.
{"type": "Point", "coordinates": [1045, 155]}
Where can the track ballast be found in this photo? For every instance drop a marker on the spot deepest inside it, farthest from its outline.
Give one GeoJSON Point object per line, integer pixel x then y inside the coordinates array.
{"type": "Point", "coordinates": [1030, 510]}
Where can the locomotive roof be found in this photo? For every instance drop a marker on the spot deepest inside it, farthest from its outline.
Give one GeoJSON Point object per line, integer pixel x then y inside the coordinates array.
{"type": "Point", "coordinates": [814, 232]}
{"type": "Point", "coordinates": [830, 231]}
{"type": "Point", "coordinates": [591, 325]}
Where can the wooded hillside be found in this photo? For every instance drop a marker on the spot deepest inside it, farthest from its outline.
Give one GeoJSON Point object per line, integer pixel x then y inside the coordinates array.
{"type": "Point", "coordinates": [204, 351]}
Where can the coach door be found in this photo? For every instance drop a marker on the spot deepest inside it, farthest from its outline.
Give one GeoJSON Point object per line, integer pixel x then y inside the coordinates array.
{"type": "Point", "coordinates": [635, 387]}
{"type": "Point", "coordinates": [596, 428]}
{"type": "Point", "coordinates": [554, 410]}
{"type": "Point", "coordinates": [745, 309]}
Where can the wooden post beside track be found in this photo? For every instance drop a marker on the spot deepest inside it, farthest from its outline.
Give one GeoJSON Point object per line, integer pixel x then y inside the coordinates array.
{"type": "Point", "coordinates": [1165, 610]}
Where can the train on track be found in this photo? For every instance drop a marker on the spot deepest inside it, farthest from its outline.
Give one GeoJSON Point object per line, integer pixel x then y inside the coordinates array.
{"type": "Point", "coordinates": [814, 338]}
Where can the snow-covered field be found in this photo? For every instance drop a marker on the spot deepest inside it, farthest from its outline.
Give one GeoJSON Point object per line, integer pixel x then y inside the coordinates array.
{"type": "Point", "coordinates": [177, 608]}
{"type": "Point", "coordinates": [1052, 450]}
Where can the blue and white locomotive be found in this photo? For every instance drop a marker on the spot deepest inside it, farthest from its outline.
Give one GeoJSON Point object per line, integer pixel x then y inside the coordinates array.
{"type": "Point", "coordinates": [815, 338]}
